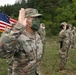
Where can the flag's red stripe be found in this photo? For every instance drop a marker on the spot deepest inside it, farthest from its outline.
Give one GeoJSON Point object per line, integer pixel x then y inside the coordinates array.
{"type": "Point", "coordinates": [5, 24]}
{"type": "Point", "coordinates": [5, 27]}
{"type": "Point", "coordinates": [2, 22]}
{"type": "Point", "coordinates": [2, 26]}
{"type": "Point", "coordinates": [13, 20]}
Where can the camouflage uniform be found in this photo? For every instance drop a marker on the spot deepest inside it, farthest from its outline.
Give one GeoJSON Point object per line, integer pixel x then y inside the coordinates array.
{"type": "Point", "coordinates": [75, 35]}
{"type": "Point", "coordinates": [71, 35]}
{"type": "Point", "coordinates": [22, 49]}
{"type": "Point", "coordinates": [42, 32]}
{"type": "Point", "coordinates": [64, 47]}
{"type": "Point", "coordinates": [74, 38]}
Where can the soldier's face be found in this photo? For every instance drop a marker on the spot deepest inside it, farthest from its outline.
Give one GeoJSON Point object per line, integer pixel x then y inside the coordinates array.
{"type": "Point", "coordinates": [70, 28]}
{"type": "Point", "coordinates": [29, 20]}
{"type": "Point", "coordinates": [65, 27]}
{"type": "Point", "coordinates": [41, 26]}
{"type": "Point", "coordinates": [33, 23]}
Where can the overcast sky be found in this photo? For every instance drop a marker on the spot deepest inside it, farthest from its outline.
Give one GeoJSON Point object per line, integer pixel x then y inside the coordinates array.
{"type": "Point", "coordinates": [3, 2]}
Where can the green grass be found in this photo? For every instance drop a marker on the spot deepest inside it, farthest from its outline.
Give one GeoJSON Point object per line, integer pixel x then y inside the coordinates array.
{"type": "Point", "coordinates": [3, 67]}
{"type": "Point", "coordinates": [50, 62]}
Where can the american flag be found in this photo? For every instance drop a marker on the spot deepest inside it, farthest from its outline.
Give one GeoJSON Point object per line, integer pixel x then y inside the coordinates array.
{"type": "Point", "coordinates": [6, 21]}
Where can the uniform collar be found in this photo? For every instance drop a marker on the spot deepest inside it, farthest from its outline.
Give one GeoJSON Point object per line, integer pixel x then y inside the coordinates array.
{"type": "Point", "coordinates": [31, 36]}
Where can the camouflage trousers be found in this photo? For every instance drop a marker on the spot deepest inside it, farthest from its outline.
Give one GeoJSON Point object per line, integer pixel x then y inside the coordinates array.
{"type": "Point", "coordinates": [37, 72]}
{"type": "Point", "coordinates": [20, 70]}
{"type": "Point", "coordinates": [63, 53]}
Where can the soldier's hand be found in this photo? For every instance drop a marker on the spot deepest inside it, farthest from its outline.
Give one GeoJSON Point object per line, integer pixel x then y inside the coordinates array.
{"type": "Point", "coordinates": [21, 18]}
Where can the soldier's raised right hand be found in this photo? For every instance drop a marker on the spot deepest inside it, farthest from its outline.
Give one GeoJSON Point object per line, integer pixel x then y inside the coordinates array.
{"type": "Point", "coordinates": [21, 18]}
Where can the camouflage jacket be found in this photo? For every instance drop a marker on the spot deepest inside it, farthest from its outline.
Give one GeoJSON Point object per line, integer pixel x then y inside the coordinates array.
{"type": "Point", "coordinates": [70, 35]}
{"type": "Point", "coordinates": [62, 35]}
{"type": "Point", "coordinates": [64, 38]}
{"type": "Point", "coordinates": [25, 48]}
{"type": "Point", "coordinates": [42, 34]}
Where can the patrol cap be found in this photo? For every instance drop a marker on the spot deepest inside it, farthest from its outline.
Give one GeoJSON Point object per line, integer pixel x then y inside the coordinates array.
{"type": "Point", "coordinates": [70, 25]}
{"type": "Point", "coordinates": [63, 23]}
{"type": "Point", "coordinates": [31, 12]}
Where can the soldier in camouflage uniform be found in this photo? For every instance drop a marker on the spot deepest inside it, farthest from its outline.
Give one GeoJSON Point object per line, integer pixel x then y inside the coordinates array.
{"type": "Point", "coordinates": [22, 45]}
{"type": "Point", "coordinates": [64, 46]}
{"type": "Point", "coordinates": [75, 33]}
{"type": "Point", "coordinates": [71, 36]}
{"type": "Point", "coordinates": [74, 36]}
{"type": "Point", "coordinates": [42, 32]}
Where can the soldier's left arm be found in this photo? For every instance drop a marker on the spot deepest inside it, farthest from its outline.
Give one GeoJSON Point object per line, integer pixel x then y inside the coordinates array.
{"type": "Point", "coordinates": [40, 49]}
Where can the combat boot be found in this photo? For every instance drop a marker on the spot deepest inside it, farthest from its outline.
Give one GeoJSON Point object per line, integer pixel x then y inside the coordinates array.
{"type": "Point", "coordinates": [63, 70]}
